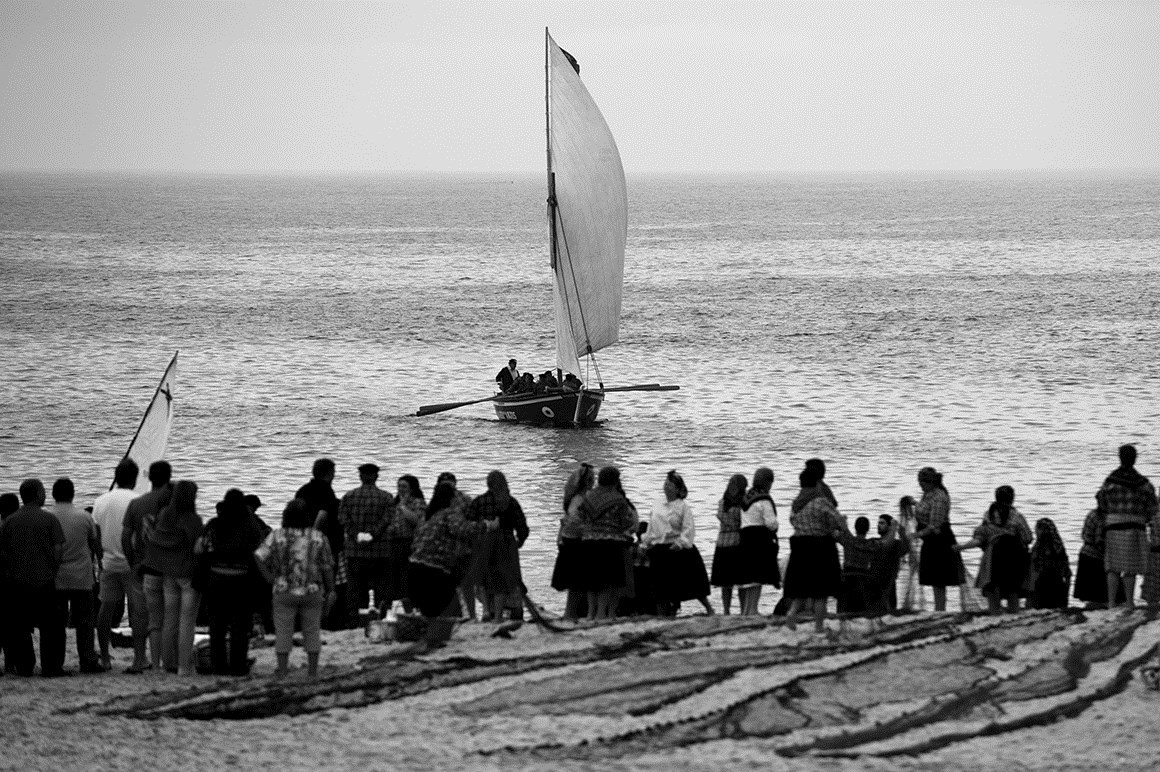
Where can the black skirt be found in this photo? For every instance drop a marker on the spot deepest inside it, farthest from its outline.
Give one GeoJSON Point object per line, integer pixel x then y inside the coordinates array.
{"type": "Point", "coordinates": [726, 566]}
{"type": "Point", "coordinates": [677, 574]}
{"type": "Point", "coordinates": [431, 589]}
{"type": "Point", "coordinates": [1091, 581]}
{"type": "Point", "coordinates": [759, 557]}
{"type": "Point", "coordinates": [1009, 564]}
{"type": "Point", "coordinates": [602, 564]}
{"type": "Point", "coordinates": [938, 564]}
{"type": "Point", "coordinates": [813, 570]}
{"type": "Point", "coordinates": [568, 571]}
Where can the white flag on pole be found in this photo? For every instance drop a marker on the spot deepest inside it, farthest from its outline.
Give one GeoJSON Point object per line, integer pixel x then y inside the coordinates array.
{"type": "Point", "coordinates": [148, 444]}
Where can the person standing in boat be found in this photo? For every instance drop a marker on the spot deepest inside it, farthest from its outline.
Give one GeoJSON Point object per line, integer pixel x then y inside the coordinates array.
{"type": "Point", "coordinates": [507, 376]}
{"type": "Point", "coordinates": [678, 571]}
{"type": "Point", "coordinates": [567, 574]}
{"type": "Point", "coordinates": [608, 521]}
{"type": "Point", "coordinates": [939, 564]}
{"type": "Point", "coordinates": [758, 540]}
{"type": "Point", "coordinates": [1128, 504]}
{"type": "Point", "coordinates": [726, 571]}
{"type": "Point", "coordinates": [500, 573]}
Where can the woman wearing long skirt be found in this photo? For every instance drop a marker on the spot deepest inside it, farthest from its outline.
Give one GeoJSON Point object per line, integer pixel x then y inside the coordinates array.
{"type": "Point", "coordinates": [500, 573]}
{"type": "Point", "coordinates": [678, 571]}
{"type": "Point", "coordinates": [1004, 536]}
{"type": "Point", "coordinates": [939, 564]}
{"type": "Point", "coordinates": [814, 573]}
{"type": "Point", "coordinates": [727, 553]}
{"type": "Point", "coordinates": [1050, 569]}
{"type": "Point", "coordinates": [607, 527]}
{"type": "Point", "coordinates": [758, 542]}
{"type": "Point", "coordinates": [1091, 583]}
{"type": "Point", "coordinates": [567, 574]}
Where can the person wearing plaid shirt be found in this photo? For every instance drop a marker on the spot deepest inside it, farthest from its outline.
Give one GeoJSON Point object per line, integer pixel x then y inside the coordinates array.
{"type": "Point", "coordinates": [813, 573]}
{"type": "Point", "coordinates": [365, 515]}
{"type": "Point", "coordinates": [1127, 502]}
{"type": "Point", "coordinates": [436, 550]}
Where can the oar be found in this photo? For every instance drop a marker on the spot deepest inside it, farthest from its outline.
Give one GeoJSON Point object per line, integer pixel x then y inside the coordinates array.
{"type": "Point", "coordinates": [429, 409]}
{"type": "Point", "coordinates": [642, 387]}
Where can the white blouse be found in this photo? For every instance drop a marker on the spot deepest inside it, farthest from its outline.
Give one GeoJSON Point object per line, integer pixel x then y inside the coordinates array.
{"type": "Point", "coordinates": [760, 513]}
{"type": "Point", "coordinates": [670, 522]}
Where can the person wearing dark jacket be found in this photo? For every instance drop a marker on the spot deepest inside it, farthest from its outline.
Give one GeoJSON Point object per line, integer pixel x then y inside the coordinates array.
{"type": "Point", "coordinates": [31, 548]}
{"type": "Point", "coordinates": [226, 572]}
{"type": "Point", "coordinates": [323, 505]}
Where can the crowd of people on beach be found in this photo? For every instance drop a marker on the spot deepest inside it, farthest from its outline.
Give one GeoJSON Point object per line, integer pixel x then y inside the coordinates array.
{"type": "Point", "coordinates": [332, 558]}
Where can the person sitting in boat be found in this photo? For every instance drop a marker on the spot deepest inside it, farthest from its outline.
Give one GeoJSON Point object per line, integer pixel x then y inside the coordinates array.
{"type": "Point", "coordinates": [525, 384]}
{"type": "Point", "coordinates": [572, 383]}
{"type": "Point", "coordinates": [547, 381]}
{"type": "Point", "coordinates": [507, 376]}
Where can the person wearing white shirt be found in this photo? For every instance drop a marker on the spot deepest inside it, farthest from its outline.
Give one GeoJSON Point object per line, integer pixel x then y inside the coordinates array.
{"type": "Point", "coordinates": [678, 571]}
{"type": "Point", "coordinates": [119, 583]}
{"type": "Point", "coordinates": [758, 542]}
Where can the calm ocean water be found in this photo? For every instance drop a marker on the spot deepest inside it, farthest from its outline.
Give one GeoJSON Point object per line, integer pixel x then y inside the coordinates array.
{"type": "Point", "coordinates": [998, 327]}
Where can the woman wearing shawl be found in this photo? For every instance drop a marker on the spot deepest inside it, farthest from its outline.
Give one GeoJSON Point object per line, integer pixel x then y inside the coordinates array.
{"type": "Point", "coordinates": [939, 564]}
{"type": "Point", "coordinates": [727, 553]}
{"type": "Point", "coordinates": [500, 573]}
{"type": "Point", "coordinates": [607, 525]}
{"type": "Point", "coordinates": [758, 537]}
{"type": "Point", "coordinates": [567, 574]}
{"type": "Point", "coordinates": [1004, 535]}
{"type": "Point", "coordinates": [814, 573]}
{"type": "Point", "coordinates": [678, 571]}
{"type": "Point", "coordinates": [226, 550]}
{"type": "Point", "coordinates": [409, 509]}
{"type": "Point", "coordinates": [1127, 502]}
{"type": "Point", "coordinates": [1050, 569]}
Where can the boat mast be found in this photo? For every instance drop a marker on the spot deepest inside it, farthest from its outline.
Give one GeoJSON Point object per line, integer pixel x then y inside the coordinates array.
{"type": "Point", "coordinates": [551, 177]}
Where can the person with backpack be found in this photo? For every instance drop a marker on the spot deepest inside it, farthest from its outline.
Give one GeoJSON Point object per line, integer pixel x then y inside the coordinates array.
{"type": "Point", "coordinates": [136, 529]}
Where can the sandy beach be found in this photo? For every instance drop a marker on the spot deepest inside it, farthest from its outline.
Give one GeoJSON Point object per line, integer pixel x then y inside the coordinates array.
{"type": "Point", "coordinates": [1040, 690]}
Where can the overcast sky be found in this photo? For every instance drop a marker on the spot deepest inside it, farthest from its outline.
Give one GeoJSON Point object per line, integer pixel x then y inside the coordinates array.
{"type": "Point", "coordinates": [686, 87]}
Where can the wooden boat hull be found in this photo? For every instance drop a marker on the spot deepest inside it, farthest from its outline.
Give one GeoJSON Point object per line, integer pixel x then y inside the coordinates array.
{"type": "Point", "coordinates": [553, 409]}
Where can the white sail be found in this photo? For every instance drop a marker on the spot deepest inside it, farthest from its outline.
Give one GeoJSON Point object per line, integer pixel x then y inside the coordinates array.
{"type": "Point", "coordinates": [591, 216]}
{"type": "Point", "coordinates": [152, 437]}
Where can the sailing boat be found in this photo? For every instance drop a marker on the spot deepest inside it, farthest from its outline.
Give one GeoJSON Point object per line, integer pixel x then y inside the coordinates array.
{"type": "Point", "coordinates": [152, 436]}
{"type": "Point", "coordinates": [588, 226]}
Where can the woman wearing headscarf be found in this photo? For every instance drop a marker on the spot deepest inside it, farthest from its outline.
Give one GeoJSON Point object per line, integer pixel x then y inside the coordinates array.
{"type": "Point", "coordinates": [727, 553]}
{"type": "Point", "coordinates": [1050, 569]}
{"type": "Point", "coordinates": [758, 537]}
{"type": "Point", "coordinates": [409, 509]}
{"type": "Point", "coordinates": [297, 561]}
{"type": "Point", "coordinates": [1004, 537]}
{"type": "Point", "coordinates": [814, 573]}
{"type": "Point", "coordinates": [939, 563]}
{"type": "Point", "coordinates": [678, 571]}
{"type": "Point", "coordinates": [567, 574]}
{"type": "Point", "coordinates": [226, 552]}
{"type": "Point", "coordinates": [500, 573]}
{"type": "Point", "coordinates": [169, 552]}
